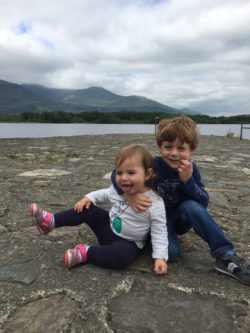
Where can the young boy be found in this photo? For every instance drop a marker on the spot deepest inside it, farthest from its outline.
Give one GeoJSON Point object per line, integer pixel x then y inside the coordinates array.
{"type": "Point", "coordinates": [185, 197]}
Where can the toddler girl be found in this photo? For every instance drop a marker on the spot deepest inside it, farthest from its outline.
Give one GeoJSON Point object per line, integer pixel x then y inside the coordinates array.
{"type": "Point", "coordinates": [121, 232]}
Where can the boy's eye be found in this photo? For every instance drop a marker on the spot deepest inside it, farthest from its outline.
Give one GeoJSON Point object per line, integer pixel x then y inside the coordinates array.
{"type": "Point", "coordinates": [181, 148]}
{"type": "Point", "coordinates": [118, 173]}
{"type": "Point", "coordinates": [131, 172]}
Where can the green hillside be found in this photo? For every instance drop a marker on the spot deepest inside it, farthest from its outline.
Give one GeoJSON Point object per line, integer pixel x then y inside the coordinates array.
{"type": "Point", "coordinates": [16, 99]}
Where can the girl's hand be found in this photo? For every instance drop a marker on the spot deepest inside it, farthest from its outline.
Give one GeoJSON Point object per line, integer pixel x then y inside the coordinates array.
{"type": "Point", "coordinates": [85, 202]}
{"type": "Point", "coordinates": [161, 267]}
{"type": "Point", "coordinates": [185, 170]}
{"type": "Point", "coordinates": [138, 201]}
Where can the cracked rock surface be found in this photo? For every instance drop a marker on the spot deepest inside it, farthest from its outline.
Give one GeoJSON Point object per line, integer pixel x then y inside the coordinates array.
{"type": "Point", "coordinates": [38, 294]}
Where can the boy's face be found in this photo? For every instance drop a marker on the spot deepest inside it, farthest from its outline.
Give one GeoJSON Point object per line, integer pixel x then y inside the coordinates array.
{"type": "Point", "coordinates": [174, 152]}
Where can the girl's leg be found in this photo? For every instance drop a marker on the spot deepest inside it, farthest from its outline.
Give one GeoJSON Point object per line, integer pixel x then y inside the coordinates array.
{"type": "Point", "coordinates": [113, 252]}
{"type": "Point", "coordinates": [120, 254]}
{"type": "Point", "coordinates": [95, 217]}
{"type": "Point", "coordinates": [44, 220]}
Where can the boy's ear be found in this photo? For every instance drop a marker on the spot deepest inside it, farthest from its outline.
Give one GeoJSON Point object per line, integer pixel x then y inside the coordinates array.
{"type": "Point", "coordinates": [149, 173]}
{"type": "Point", "coordinates": [193, 150]}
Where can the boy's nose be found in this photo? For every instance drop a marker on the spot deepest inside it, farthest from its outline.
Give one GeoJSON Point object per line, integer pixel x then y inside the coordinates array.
{"type": "Point", "coordinates": [174, 152]}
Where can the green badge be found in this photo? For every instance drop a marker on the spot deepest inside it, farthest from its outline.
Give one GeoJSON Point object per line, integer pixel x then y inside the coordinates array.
{"type": "Point", "coordinates": [117, 223]}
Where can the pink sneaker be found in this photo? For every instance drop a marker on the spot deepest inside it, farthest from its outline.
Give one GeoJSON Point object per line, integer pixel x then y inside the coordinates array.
{"type": "Point", "coordinates": [75, 256]}
{"type": "Point", "coordinates": [42, 218]}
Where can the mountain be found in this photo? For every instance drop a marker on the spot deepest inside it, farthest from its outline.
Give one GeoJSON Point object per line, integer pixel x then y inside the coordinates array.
{"type": "Point", "coordinates": [97, 98]}
{"type": "Point", "coordinates": [17, 98]}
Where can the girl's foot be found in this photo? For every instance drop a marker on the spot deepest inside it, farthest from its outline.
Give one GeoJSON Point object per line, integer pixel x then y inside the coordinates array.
{"type": "Point", "coordinates": [76, 256]}
{"type": "Point", "coordinates": [42, 218]}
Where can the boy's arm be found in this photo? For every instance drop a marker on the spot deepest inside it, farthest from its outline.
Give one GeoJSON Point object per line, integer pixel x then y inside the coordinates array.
{"type": "Point", "coordinates": [195, 189]}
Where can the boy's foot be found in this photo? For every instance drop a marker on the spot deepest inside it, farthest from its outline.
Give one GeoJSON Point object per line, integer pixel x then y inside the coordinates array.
{"type": "Point", "coordinates": [76, 256]}
{"type": "Point", "coordinates": [42, 218]}
{"type": "Point", "coordinates": [235, 266]}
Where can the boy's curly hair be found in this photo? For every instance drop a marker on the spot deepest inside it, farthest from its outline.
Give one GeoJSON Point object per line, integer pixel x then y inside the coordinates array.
{"type": "Point", "coordinates": [181, 127]}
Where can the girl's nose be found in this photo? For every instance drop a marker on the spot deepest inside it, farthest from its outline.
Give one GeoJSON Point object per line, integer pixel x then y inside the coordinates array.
{"type": "Point", "coordinates": [124, 176]}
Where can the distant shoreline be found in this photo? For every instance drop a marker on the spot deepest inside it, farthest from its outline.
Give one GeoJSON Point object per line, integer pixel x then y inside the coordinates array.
{"type": "Point", "coordinates": [119, 117]}
{"type": "Point", "coordinates": [41, 130]}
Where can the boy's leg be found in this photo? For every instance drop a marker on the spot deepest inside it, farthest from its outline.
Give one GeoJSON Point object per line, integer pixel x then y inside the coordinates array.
{"type": "Point", "coordinates": [191, 214]}
{"type": "Point", "coordinates": [174, 248]}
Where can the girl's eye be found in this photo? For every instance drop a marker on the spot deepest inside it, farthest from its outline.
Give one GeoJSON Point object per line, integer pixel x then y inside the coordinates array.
{"type": "Point", "coordinates": [118, 173]}
{"type": "Point", "coordinates": [131, 172]}
{"type": "Point", "coordinates": [181, 148]}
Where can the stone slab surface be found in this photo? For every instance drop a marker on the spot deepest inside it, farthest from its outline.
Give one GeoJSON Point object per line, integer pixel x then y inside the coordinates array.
{"type": "Point", "coordinates": [38, 294]}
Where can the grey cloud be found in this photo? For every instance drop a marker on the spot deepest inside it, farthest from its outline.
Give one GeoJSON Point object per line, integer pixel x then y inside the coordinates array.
{"type": "Point", "coordinates": [181, 53]}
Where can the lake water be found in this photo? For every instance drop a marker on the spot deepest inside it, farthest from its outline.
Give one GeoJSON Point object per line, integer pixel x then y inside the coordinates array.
{"type": "Point", "coordinates": [25, 130]}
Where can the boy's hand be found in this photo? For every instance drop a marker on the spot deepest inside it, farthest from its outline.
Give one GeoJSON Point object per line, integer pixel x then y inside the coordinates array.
{"type": "Point", "coordinates": [161, 267]}
{"type": "Point", "coordinates": [138, 201]}
{"type": "Point", "coordinates": [185, 170]}
{"type": "Point", "coordinates": [85, 202]}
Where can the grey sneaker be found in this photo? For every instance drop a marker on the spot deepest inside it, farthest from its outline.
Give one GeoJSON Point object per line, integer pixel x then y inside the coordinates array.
{"type": "Point", "coordinates": [235, 266]}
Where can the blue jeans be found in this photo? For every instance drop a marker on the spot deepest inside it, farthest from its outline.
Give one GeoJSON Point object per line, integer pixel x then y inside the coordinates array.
{"type": "Point", "coordinates": [191, 214]}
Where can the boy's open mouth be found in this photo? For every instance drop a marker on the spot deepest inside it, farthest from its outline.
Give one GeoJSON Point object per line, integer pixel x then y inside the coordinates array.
{"type": "Point", "coordinates": [174, 161]}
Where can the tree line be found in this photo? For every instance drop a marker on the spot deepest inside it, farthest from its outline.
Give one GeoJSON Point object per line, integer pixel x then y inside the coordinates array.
{"type": "Point", "coordinates": [121, 117]}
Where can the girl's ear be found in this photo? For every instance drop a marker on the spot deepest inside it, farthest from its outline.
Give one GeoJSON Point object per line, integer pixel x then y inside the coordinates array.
{"type": "Point", "coordinates": [149, 174]}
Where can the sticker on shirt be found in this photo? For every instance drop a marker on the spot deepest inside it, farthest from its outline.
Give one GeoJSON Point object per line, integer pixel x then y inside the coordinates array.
{"type": "Point", "coordinates": [117, 224]}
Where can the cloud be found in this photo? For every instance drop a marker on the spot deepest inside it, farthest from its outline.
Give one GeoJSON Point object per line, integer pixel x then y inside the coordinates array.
{"type": "Point", "coordinates": [181, 53]}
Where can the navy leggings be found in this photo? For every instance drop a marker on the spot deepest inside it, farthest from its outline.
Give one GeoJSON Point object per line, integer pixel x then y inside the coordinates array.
{"type": "Point", "coordinates": [114, 252]}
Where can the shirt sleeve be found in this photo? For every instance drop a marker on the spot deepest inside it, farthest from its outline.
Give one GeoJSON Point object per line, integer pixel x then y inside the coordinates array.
{"type": "Point", "coordinates": [159, 234]}
{"type": "Point", "coordinates": [100, 196]}
{"type": "Point", "coordinates": [195, 188]}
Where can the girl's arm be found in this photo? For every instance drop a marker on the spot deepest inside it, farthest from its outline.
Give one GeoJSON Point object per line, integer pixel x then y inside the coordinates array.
{"type": "Point", "coordinates": [85, 202]}
{"type": "Point", "coordinates": [161, 267]}
{"type": "Point", "coordinates": [100, 196]}
{"type": "Point", "coordinates": [159, 235]}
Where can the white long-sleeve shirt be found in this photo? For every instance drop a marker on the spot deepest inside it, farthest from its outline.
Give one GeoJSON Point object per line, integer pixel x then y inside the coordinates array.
{"type": "Point", "coordinates": [128, 224]}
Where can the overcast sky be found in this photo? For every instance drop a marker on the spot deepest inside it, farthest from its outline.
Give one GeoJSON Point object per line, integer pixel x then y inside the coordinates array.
{"type": "Point", "coordinates": [183, 53]}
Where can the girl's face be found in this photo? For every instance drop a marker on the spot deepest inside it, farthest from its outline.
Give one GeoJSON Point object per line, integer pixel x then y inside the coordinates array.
{"type": "Point", "coordinates": [174, 152]}
{"type": "Point", "coordinates": [131, 176]}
